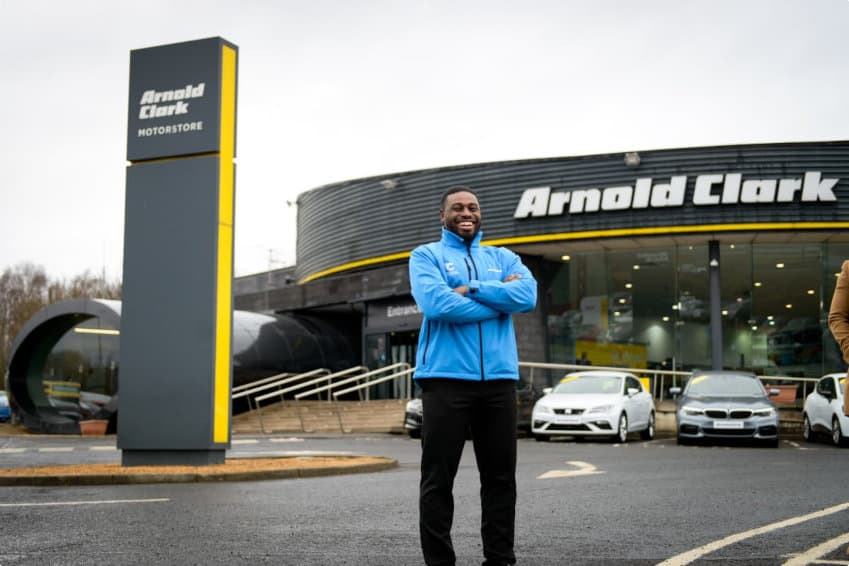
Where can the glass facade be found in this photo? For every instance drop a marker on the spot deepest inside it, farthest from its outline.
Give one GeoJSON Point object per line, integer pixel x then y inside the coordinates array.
{"type": "Point", "coordinates": [80, 373]}
{"type": "Point", "coordinates": [650, 307]}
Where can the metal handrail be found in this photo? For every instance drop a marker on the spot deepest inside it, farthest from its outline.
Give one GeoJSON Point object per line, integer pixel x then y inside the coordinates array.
{"type": "Point", "coordinates": [281, 392]}
{"type": "Point", "coordinates": [278, 383]}
{"type": "Point", "coordinates": [244, 386]}
{"type": "Point", "coordinates": [331, 386]}
{"type": "Point", "coordinates": [406, 373]}
{"type": "Point", "coordinates": [329, 378]}
{"type": "Point", "coordinates": [391, 377]}
{"type": "Point", "coordinates": [659, 384]}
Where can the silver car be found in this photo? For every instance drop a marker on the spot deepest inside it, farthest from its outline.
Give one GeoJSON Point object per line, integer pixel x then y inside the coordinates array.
{"type": "Point", "coordinates": [727, 406]}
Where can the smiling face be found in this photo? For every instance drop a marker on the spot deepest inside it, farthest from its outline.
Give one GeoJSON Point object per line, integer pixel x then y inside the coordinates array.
{"type": "Point", "coordinates": [461, 214]}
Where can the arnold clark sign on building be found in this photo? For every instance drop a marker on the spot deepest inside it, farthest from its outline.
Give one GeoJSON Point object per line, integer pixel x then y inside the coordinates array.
{"type": "Point", "coordinates": [174, 106]}
{"type": "Point", "coordinates": [708, 190]}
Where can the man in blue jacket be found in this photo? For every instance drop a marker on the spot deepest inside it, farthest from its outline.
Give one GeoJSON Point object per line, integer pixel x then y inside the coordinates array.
{"type": "Point", "coordinates": [467, 366]}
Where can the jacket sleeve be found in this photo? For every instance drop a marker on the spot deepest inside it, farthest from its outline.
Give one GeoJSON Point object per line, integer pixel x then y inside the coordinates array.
{"type": "Point", "coordinates": [838, 314]}
{"type": "Point", "coordinates": [519, 295]}
{"type": "Point", "coordinates": [436, 299]}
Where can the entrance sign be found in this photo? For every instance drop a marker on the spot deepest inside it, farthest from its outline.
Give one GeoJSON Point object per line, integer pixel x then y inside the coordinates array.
{"type": "Point", "coordinates": [177, 304]}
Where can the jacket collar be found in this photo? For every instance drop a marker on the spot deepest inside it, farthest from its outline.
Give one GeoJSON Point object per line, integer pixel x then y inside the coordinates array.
{"type": "Point", "coordinates": [452, 240]}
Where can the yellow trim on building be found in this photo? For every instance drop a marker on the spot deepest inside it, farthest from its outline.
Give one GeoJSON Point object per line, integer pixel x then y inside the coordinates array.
{"type": "Point", "coordinates": [666, 230]}
{"type": "Point", "coordinates": [224, 287]}
{"type": "Point", "coordinates": [590, 234]}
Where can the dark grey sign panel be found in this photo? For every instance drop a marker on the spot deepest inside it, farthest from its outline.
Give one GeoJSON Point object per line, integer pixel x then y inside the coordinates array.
{"type": "Point", "coordinates": [174, 100]}
{"type": "Point", "coordinates": [167, 356]}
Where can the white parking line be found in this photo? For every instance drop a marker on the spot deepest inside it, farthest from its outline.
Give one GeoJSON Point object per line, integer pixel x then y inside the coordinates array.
{"type": "Point", "coordinates": [100, 502]}
{"type": "Point", "coordinates": [12, 450]}
{"type": "Point", "coordinates": [696, 553]}
{"type": "Point", "coordinates": [57, 449]}
{"type": "Point", "coordinates": [103, 448]}
{"type": "Point", "coordinates": [819, 551]}
{"type": "Point", "coordinates": [245, 441]}
{"type": "Point", "coordinates": [286, 439]}
{"type": "Point", "coordinates": [304, 453]}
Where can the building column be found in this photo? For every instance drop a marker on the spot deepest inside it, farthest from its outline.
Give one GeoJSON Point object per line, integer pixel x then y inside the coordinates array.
{"type": "Point", "coordinates": [715, 306]}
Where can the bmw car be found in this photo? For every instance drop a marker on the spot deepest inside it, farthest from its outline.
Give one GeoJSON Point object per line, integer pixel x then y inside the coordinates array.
{"type": "Point", "coordinates": [725, 406]}
{"type": "Point", "coordinates": [596, 403]}
{"type": "Point", "coordinates": [823, 411]}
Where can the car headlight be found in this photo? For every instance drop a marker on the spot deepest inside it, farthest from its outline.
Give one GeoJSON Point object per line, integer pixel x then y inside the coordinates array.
{"type": "Point", "coordinates": [768, 412]}
{"type": "Point", "coordinates": [543, 409]}
{"type": "Point", "coordinates": [601, 409]}
{"type": "Point", "coordinates": [693, 411]}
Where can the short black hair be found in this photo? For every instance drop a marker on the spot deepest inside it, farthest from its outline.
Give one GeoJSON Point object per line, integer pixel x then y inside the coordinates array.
{"type": "Point", "coordinates": [456, 189]}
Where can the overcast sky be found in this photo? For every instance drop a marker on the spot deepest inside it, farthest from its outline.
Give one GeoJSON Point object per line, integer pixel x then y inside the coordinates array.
{"type": "Point", "coordinates": [331, 90]}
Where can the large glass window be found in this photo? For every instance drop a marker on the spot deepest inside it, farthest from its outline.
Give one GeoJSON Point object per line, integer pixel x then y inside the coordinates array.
{"type": "Point", "coordinates": [650, 307]}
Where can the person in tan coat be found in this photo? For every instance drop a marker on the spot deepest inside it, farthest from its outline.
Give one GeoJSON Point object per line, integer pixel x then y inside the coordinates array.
{"type": "Point", "coordinates": [838, 322]}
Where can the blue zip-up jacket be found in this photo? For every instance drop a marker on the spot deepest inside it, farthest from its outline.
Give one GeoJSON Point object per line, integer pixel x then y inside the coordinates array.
{"type": "Point", "coordinates": [472, 336]}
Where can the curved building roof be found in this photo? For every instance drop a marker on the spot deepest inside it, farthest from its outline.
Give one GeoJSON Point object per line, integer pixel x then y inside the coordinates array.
{"type": "Point", "coordinates": [532, 204]}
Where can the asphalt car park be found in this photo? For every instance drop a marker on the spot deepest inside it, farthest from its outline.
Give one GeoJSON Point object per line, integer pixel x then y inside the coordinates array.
{"type": "Point", "coordinates": [695, 504]}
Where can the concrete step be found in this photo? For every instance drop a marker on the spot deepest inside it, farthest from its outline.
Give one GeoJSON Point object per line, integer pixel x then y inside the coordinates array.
{"type": "Point", "coordinates": [384, 415]}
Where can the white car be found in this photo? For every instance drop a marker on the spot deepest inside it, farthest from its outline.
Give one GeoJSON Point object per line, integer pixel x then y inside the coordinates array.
{"type": "Point", "coordinates": [595, 403]}
{"type": "Point", "coordinates": [823, 410]}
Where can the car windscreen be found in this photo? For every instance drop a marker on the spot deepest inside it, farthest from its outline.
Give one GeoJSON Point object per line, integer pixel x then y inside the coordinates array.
{"type": "Point", "coordinates": [724, 386]}
{"type": "Point", "coordinates": [590, 384]}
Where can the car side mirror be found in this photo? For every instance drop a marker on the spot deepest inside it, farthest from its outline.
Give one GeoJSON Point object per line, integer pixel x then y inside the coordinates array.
{"type": "Point", "coordinates": [547, 390]}
{"type": "Point", "coordinates": [675, 391]}
{"type": "Point", "coordinates": [774, 392]}
{"type": "Point", "coordinates": [632, 391]}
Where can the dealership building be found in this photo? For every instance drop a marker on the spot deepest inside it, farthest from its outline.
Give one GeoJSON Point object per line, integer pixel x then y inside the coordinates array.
{"type": "Point", "coordinates": [632, 253]}
{"type": "Point", "coordinates": [674, 259]}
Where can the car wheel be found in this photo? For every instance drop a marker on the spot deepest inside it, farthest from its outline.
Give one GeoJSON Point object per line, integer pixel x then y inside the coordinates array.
{"type": "Point", "coordinates": [837, 437]}
{"type": "Point", "coordinates": [648, 433]}
{"type": "Point", "coordinates": [541, 437]}
{"type": "Point", "coordinates": [415, 433]}
{"type": "Point", "coordinates": [622, 430]}
{"type": "Point", "coordinates": [682, 440]}
{"type": "Point", "coordinates": [807, 433]}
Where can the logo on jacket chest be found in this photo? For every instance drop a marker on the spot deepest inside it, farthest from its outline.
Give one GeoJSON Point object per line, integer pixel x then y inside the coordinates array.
{"type": "Point", "coordinates": [450, 269]}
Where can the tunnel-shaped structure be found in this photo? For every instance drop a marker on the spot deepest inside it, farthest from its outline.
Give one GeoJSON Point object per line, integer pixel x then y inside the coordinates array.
{"type": "Point", "coordinates": [64, 364]}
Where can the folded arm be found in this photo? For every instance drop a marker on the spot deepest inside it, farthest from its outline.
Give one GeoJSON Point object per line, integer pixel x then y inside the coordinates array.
{"type": "Point", "coordinates": [516, 293]}
{"type": "Point", "coordinates": [436, 299]}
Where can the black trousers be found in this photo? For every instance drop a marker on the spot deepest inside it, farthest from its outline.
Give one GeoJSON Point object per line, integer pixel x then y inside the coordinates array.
{"type": "Point", "coordinates": [449, 408]}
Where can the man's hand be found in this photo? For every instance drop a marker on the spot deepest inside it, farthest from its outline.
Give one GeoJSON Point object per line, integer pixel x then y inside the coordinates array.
{"type": "Point", "coordinates": [463, 289]}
